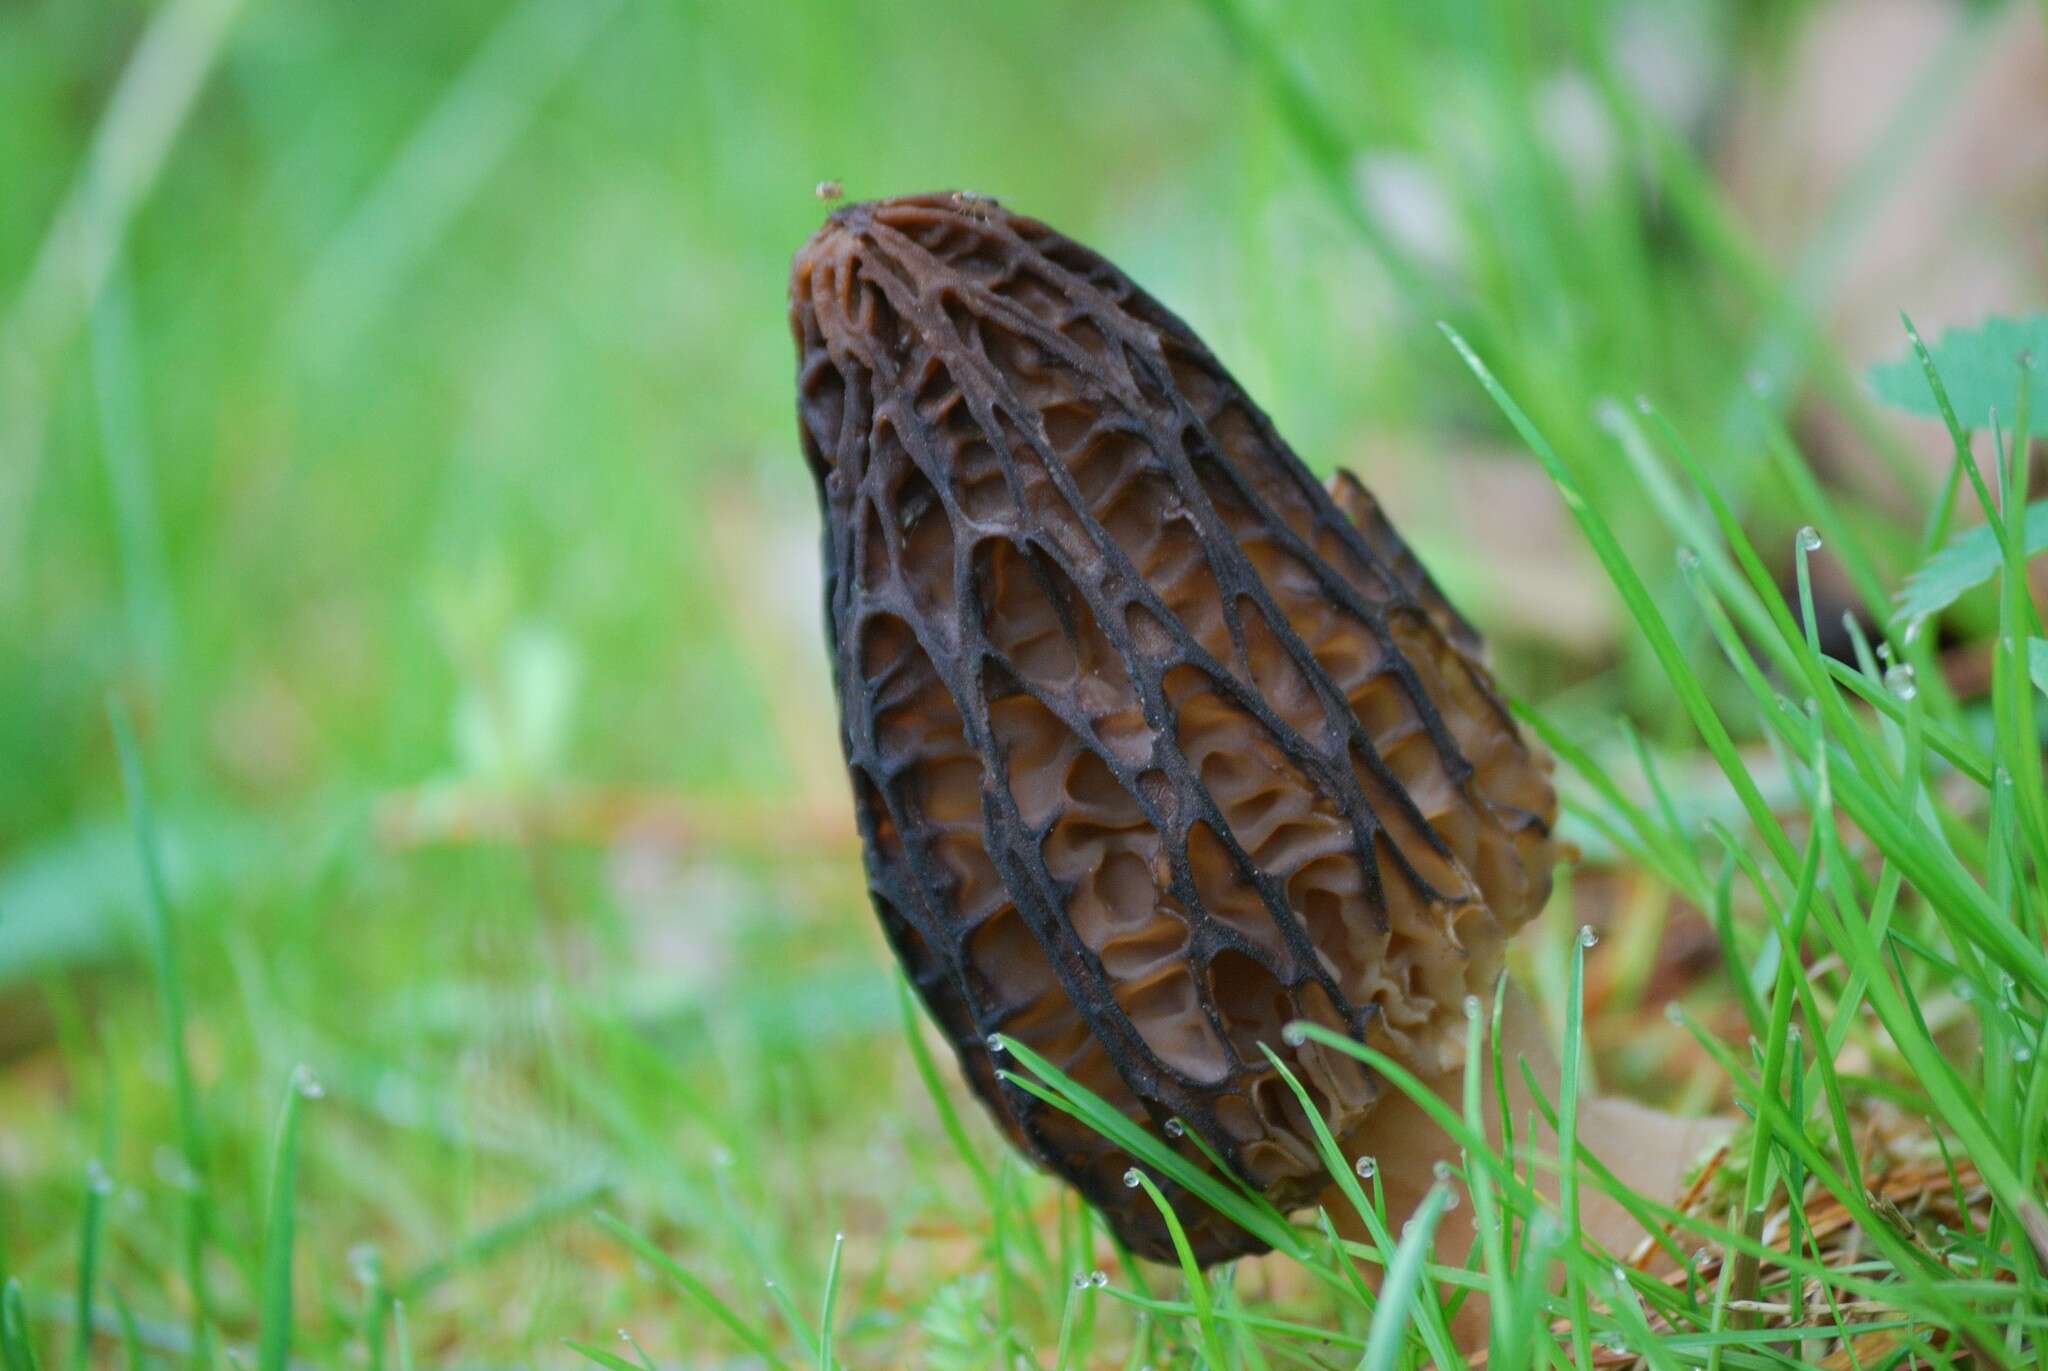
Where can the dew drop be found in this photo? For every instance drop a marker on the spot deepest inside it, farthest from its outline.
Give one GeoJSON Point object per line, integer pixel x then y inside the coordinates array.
{"type": "Point", "coordinates": [1366, 1167]}
{"type": "Point", "coordinates": [1473, 1007]}
{"type": "Point", "coordinates": [1588, 935]}
{"type": "Point", "coordinates": [1674, 1013]}
{"type": "Point", "coordinates": [1898, 679]}
{"type": "Point", "coordinates": [2022, 1053]}
{"type": "Point", "coordinates": [1294, 1035]}
{"type": "Point", "coordinates": [96, 1178]}
{"type": "Point", "coordinates": [829, 191]}
{"type": "Point", "coordinates": [1081, 1282]}
{"type": "Point", "coordinates": [1098, 1279]}
{"type": "Point", "coordinates": [1442, 1171]}
{"type": "Point", "coordinates": [1175, 1128]}
{"type": "Point", "coordinates": [1809, 539]}
{"type": "Point", "coordinates": [995, 1044]}
{"type": "Point", "coordinates": [364, 1264]}
{"type": "Point", "coordinates": [1688, 562]}
{"type": "Point", "coordinates": [1133, 1178]}
{"type": "Point", "coordinates": [307, 1084]}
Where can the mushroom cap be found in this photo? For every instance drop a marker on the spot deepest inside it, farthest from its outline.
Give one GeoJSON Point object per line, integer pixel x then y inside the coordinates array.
{"type": "Point", "coordinates": [1157, 744]}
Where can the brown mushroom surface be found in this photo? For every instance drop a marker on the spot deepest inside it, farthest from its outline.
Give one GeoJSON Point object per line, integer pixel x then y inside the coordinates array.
{"type": "Point", "coordinates": [1157, 745]}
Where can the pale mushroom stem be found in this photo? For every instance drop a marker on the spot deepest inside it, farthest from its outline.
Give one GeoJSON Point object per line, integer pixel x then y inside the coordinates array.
{"type": "Point", "coordinates": [1646, 1149]}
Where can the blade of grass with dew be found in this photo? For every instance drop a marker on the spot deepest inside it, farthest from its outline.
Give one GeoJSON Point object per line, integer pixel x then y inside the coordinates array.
{"type": "Point", "coordinates": [694, 1290]}
{"type": "Point", "coordinates": [1492, 1226]}
{"type": "Point", "coordinates": [1435, 1328]}
{"type": "Point", "coordinates": [645, 1362]}
{"type": "Point", "coordinates": [1572, 1055]}
{"type": "Point", "coordinates": [1404, 1275]}
{"type": "Point", "coordinates": [1264, 1323]}
{"type": "Point", "coordinates": [827, 1315]}
{"type": "Point", "coordinates": [402, 1334]}
{"type": "Point", "coordinates": [165, 963]}
{"type": "Point", "coordinates": [1190, 1270]}
{"type": "Point", "coordinates": [1060, 1091]}
{"type": "Point", "coordinates": [368, 1264]}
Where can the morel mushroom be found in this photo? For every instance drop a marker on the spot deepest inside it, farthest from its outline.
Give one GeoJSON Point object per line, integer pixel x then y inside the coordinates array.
{"type": "Point", "coordinates": [1157, 745]}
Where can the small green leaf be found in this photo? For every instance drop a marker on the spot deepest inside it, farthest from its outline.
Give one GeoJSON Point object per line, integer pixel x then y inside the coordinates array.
{"type": "Point", "coordinates": [1971, 558]}
{"type": "Point", "coordinates": [1979, 368]}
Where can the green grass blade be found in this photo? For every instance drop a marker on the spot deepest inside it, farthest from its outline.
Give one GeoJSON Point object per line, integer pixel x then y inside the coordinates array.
{"type": "Point", "coordinates": [549, 1208]}
{"type": "Point", "coordinates": [827, 1316]}
{"type": "Point", "coordinates": [90, 1222]}
{"type": "Point", "coordinates": [170, 982]}
{"type": "Point", "coordinates": [1649, 619]}
{"type": "Point", "coordinates": [1404, 1275]}
{"type": "Point", "coordinates": [942, 1102]}
{"type": "Point", "coordinates": [15, 1346]}
{"type": "Point", "coordinates": [131, 1333]}
{"type": "Point", "coordinates": [274, 1344]}
{"type": "Point", "coordinates": [610, 1360]}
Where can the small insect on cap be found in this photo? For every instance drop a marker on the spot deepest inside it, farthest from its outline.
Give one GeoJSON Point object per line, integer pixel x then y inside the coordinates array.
{"type": "Point", "coordinates": [1157, 745]}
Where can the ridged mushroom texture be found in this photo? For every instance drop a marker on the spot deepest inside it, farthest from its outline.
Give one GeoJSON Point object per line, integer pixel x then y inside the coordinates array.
{"type": "Point", "coordinates": [1157, 744]}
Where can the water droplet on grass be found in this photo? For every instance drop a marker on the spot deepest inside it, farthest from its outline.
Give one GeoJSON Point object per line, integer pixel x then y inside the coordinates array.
{"type": "Point", "coordinates": [1134, 1178]}
{"type": "Point", "coordinates": [1809, 539]}
{"type": "Point", "coordinates": [1588, 935]}
{"type": "Point", "coordinates": [1898, 679]}
{"type": "Point", "coordinates": [1366, 1167]}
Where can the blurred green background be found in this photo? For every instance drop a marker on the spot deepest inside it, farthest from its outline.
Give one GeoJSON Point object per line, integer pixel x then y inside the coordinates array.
{"type": "Point", "coordinates": [396, 420]}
